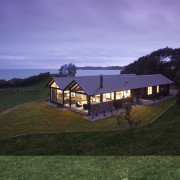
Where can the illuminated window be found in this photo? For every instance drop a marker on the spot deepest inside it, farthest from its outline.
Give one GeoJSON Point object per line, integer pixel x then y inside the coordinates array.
{"type": "Point", "coordinates": [149, 90]}
{"type": "Point", "coordinates": [108, 97]}
{"type": "Point", "coordinates": [59, 96]}
{"type": "Point", "coordinates": [66, 97]}
{"type": "Point", "coordinates": [54, 85]}
{"type": "Point", "coordinates": [127, 93]}
{"type": "Point", "coordinates": [119, 95]}
{"type": "Point", "coordinates": [157, 89]}
{"type": "Point", "coordinates": [112, 96]}
{"type": "Point", "coordinates": [95, 98]}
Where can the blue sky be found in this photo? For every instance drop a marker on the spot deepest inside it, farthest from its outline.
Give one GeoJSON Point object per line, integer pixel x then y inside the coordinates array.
{"type": "Point", "coordinates": [50, 33]}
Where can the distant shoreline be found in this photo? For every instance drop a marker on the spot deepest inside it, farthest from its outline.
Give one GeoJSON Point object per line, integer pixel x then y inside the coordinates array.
{"type": "Point", "coordinates": [101, 68]}
{"type": "Point", "coordinates": [8, 74]}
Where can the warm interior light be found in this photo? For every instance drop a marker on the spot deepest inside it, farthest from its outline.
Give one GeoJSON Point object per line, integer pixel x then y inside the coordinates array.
{"type": "Point", "coordinates": [119, 95]}
{"type": "Point", "coordinates": [54, 85]}
{"type": "Point", "coordinates": [150, 90]}
{"type": "Point", "coordinates": [157, 89]}
{"type": "Point", "coordinates": [112, 95]}
{"type": "Point", "coordinates": [107, 95]}
{"type": "Point", "coordinates": [127, 93]}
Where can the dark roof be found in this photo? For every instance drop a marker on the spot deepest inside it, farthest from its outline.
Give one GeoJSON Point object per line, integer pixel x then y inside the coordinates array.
{"type": "Point", "coordinates": [62, 82]}
{"type": "Point", "coordinates": [112, 83]}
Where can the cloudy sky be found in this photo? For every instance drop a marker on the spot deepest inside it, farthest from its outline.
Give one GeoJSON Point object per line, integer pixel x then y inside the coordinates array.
{"type": "Point", "coordinates": [49, 33]}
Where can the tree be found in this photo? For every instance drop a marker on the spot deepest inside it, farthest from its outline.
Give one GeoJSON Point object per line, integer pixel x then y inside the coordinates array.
{"type": "Point", "coordinates": [177, 82]}
{"type": "Point", "coordinates": [67, 70]}
{"type": "Point", "coordinates": [128, 108]}
{"type": "Point", "coordinates": [163, 61]}
{"type": "Point", "coordinates": [178, 98]}
{"type": "Point", "coordinates": [177, 79]}
{"type": "Point", "coordinates": [127, 116]}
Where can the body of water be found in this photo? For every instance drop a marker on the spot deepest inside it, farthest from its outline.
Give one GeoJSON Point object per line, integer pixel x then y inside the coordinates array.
{"type": "Point", "coordinates": [8, 74]}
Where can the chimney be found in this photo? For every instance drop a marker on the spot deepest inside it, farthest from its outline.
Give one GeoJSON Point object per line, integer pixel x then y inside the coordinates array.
{"type": "Point", "coordinates": [126, 82]}
{"type": "Point", "coordinates": [101, 81]}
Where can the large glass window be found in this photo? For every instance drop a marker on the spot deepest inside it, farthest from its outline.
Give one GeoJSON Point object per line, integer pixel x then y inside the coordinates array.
{"type": "Point", "coordinates": [54, 95]}
{"type": "Point", "coordinates": [119, 95]}
{"type": "Point", "coordinates": [95, 99]}
{"type": "Point", "coordinates": [81, 98]}
{"type": "Point", "coordinates": [73, 98]}
{"type": "Point", "coordinates": [66, 97]}
{"type": "Point", "coordinates": [59, 96]}
{"type": "Point", "coordinates": [108, 97]}
{"type": "Point", "coordinates": [127, 93]}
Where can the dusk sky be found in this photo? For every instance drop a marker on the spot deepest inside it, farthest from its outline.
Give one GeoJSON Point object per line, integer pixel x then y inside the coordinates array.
{"type": "Point", "coordinates": [49, 33]}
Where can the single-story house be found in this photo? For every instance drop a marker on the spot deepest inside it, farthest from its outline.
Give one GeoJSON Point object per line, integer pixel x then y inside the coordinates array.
{"type": "Point", "coordinates": [88, 94]}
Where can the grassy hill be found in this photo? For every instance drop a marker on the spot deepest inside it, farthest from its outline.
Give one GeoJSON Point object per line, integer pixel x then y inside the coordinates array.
{"type": "Point", "coordinates": [96, 154]}
{"type": "Point", "coordinates": [158, 138]}
{"type": "Point", "coordinates": [11, 97]}
{"type": "Point", "coordinates": [36, 117]}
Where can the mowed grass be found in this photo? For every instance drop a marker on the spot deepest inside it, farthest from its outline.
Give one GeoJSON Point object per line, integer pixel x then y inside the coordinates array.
{"type": "Point", "coordinates": [158, 138]}
{"type": "Point", "coordinates": [73, 167]}
{"type": "Point", "coordinates": [31, 93]}
{"type": "Point", "coordinates": [38, 117]}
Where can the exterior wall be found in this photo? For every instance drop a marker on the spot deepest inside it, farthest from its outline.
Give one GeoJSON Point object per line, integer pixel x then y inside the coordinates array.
{"type": "Point", "coordinates": [102, 107]}
{"type": "Point", "coordinates": [163, 91]}
{"type": "Point", "coordinates": [142, 93]}
{"type": "Point", "coordinates": [135, 93]}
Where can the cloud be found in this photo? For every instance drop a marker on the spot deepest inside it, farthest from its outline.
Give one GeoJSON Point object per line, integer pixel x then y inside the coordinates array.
{"type": "Point", "coordinates": [108, 32]}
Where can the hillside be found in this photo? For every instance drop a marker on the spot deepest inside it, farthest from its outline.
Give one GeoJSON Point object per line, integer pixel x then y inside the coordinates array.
{"type": "Point", "coordinates": [163, 61]}
{"type": "Point", "coordinates": [158, 138]}
{"type": "Point", "coordinates": [18, 91]}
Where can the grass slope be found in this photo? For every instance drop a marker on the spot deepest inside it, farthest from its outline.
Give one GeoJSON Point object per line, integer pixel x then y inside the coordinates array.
{"type": "Point", "coordinates": [89, 167]}
{"type": "Point", "coordinates": [39, 117]}
{"type": "Point", "coordinates": [31, 93]}
{"type": "Point", "coordinates": [158, 138]}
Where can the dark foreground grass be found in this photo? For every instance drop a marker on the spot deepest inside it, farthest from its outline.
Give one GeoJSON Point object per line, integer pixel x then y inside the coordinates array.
{"type": "Point", "coordinates": [56, 167]}
{"type": "Point", "coordinates": [161, 137]}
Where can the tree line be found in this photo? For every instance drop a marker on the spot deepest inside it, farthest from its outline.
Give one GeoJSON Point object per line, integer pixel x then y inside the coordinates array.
{"type": "Point", "coordinates": [164, 61]}
{"type": "Point", "coordinates": [17, 82]}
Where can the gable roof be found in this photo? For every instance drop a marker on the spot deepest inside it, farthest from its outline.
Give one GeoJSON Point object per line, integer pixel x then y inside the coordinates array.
{"type": "Point", "coordinates": [111, 83]}
{"type": "Point", "coordinates": [62, 82]}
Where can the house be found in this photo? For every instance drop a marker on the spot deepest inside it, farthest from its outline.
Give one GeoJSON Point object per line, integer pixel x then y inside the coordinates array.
{"type": "Point", "coordinates": [95, 94]}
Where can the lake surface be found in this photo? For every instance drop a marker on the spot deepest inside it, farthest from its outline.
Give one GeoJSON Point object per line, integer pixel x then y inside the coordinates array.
{"type": "Point", "coordinates": [8, 74]}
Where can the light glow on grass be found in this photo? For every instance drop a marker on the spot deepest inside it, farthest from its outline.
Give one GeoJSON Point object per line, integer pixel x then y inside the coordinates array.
{"type": "Point", "coordinates": [39, 117]}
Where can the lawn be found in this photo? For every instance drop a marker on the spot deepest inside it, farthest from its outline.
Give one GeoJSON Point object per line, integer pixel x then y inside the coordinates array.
{"type": "Point", "coordinates": [40, 117]}
{"type": "Point", "coordinates": [73, 167]}
{"type": "Point", "coordinates": [28, 93]}
{"type": "Point", "coordinates": [100, 150]}
{"type": "Point", "coordinates": [158, 138]}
